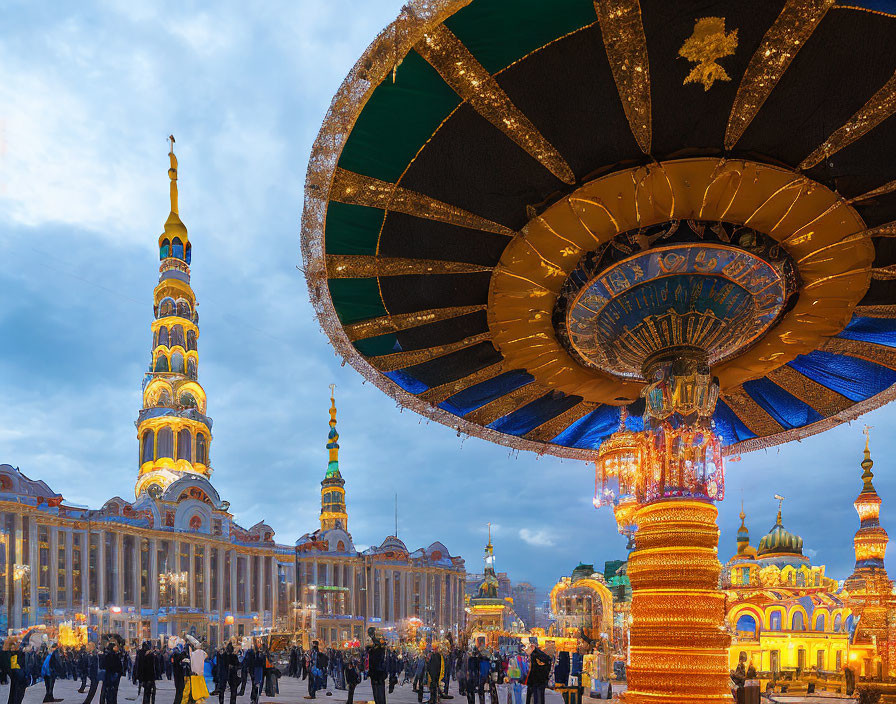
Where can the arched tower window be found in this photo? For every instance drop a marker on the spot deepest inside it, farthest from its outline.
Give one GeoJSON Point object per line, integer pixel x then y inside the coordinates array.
{"type": "Point", "coordinates": [166, 307]}
{"type": "Point", "coordinates": [165, 443]}
{"type": "Point", "coordinates": [146, 447]}
{"type": "Point", "coordinates": [177, 336]}
{"type": "Point", "coordinates": [183, 309]}
{"type": "Point", "coordinates": [177, 363]}
{"type": "Point", "coordinates": [746, 624]}
{"type": "Point", "coordinates": [191, 340]}
{"type": "Point", "coordinates": [191, 368]}
{"type": "Point", "coordinates": [187, 400]}
{"type": "Point", "coordinates": [164, 399]}
{"type": "Point", "coordinates": [838, 621]}
{"type": "Point", "coordinates": [177, 248]}
{"type": "Point", "coordinates": [189, 252]}
{"type": "Point", "coordinates": [819, 622]}
{"type": "Point", "coordinates": [184, 445]}
{"type": "Point", "coordinates": [161, 364]}
{"type": "Point", "coordinates": [164, 249]}
{"type": "Point", "coordinates": [775, 620]}
{"type": "Point", "coordinates": [201, 448]}
{"type": "Point", "coordinates": [163, 336]}
{"type": "Point", "coordinates": [797, 623]}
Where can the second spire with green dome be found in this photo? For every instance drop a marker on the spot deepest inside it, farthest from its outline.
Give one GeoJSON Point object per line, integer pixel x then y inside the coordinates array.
{"type": "Point", "coordinates": [332, 492]}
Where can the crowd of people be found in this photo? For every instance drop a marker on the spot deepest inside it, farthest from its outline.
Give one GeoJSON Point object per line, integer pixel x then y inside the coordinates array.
{"type": "Point", "coordinates": [233, 668]}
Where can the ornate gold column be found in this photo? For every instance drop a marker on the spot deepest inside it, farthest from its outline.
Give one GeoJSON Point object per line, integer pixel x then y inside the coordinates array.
{"type": "Point", "coordinates": [679, 646]}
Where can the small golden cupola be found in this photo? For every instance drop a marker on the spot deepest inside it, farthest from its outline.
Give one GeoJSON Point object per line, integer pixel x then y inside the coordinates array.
{"type": "Point", "coordinates": [173, 430]}
{"type": "Point", "coordinates": [780, 541]}
{"type": "Point", "coordinates": [744, 549]}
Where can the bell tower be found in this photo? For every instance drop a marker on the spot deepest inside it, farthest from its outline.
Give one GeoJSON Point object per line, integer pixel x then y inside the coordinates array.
{"type": "Point", "coordinates": [173, 432]}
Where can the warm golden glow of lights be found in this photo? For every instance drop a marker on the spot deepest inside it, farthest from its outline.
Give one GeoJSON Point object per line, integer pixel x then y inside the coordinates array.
{"type": "Point", "coordinates": [679, 646]}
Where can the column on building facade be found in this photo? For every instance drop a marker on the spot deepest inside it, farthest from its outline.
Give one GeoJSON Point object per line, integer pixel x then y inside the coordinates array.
{"type": "Point", "coordinates": [53, 567]}
{"type": "Point", "coordinates": [247, 582]}
{"type": "Point", "coordinates": [234, 603]}
{"type": "Point", "coordinates": [69, 568]}
{"type": "Point", "coordinates": [207, 578]}
{"type": "Point", "coordinates": [191, 576]}
{"type": "Point", "coordinates": [275, 583]}
{"type": "Point", "coordinates": [137, 562]}
{"type": "Point", "coordinates": [85, 572]}
{"type": "Point", "coordinates": [118, 547]}
{"type": "Point", "coordinates": [18, 539]}
{"type": "Point", "coordinates": [220, 582]}
{"type": "Point", "coordinates": [259, 588]}
{"type": "Point", "coordinates": [34, 561]}
{"type": "Point", "coordinates": [153, 576]}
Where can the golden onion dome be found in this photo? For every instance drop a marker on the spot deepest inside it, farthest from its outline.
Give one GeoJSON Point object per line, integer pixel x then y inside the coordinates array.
{"type": "Point", "coordinates": [780, 541]}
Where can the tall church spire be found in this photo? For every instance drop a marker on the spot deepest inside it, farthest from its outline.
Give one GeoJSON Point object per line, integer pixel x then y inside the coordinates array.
{"type": "Point", "coordinates": [173, 431]}
{"type": "Point", "coordinates": [332, 488]}
{"type": "Point", "coordinates": [871, 539]}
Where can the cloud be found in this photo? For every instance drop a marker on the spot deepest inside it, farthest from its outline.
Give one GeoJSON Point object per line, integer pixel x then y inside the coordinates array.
{"type": "Point", "coordinates": [540, 538]}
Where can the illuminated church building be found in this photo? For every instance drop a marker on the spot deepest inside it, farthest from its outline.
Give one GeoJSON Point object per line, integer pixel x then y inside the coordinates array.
{"type": "Point", "coordinates": [787, 614]}
{"type": "Point", "coordinates": [173, 559]}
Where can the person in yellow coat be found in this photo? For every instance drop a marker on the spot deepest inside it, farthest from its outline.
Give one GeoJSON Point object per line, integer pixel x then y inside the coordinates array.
{"type": "Point", "coordinates": [195, 688]}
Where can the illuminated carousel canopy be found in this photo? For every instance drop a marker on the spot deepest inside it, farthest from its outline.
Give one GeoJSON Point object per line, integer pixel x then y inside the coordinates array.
{"type": "Point", "coordinates": [521, 214]}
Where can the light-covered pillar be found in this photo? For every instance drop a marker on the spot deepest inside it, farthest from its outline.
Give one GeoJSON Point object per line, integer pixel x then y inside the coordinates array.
{"type": "Point", "coordinates": [69, 576]}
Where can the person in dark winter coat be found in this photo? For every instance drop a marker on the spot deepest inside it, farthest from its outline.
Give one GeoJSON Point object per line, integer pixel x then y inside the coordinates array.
{"type": "Point", "coordinates": [92, 671]}
{"type": "Point", "coordinates": [229, 673]}
{"type": "Point", "coordinates": [539, 672]}
{"type": "Point", "coordinates": [178, 656]}
{"type": "Point", "coordinates": [145, 672]}
{"type": "Point", "coordinates": [376, 666]}
{"type": "Point", "coordinates": [113, 668]}
{"type": "Point", "coordinates": [352, 678]}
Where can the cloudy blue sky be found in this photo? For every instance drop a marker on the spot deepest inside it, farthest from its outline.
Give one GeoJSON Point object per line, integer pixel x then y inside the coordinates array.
{"type": "Point", "coordinates": [88, 93]}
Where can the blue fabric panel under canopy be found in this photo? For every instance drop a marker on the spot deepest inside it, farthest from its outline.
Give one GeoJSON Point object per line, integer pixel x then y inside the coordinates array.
{"type": "Point", "coordinates": [533, 414]}
{"type": "Point", "coordinates": [589, 431]}
{"type": "Point", "coordinates": [788, 410]}
{"type": "Point", "coordinates": [407, 382]}
{"type": "Point", "coordinates": [881, 331]}
{"type": "Point", "coordinates": [852, 377]}
{"type": "Point", "coordinates": [729, 426]}
{"type": "Point", "coordinates": [485, 392]}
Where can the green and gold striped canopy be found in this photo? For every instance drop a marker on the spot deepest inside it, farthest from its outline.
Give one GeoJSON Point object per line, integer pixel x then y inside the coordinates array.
{"type": "Point", "coordinates": [483, 153]}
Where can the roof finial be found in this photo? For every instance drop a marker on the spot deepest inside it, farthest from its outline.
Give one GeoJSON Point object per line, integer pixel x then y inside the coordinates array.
{"type": "Point", "coordinates": [172, 173]}
{"type": "Point", "coordinates": [867, 462]}
{"type": "Point", "coordinates": [333, 436]}
{"type": "Point", "coordinates": [489, 535]}
{"type": "Point", "coordinates": [780, 504]}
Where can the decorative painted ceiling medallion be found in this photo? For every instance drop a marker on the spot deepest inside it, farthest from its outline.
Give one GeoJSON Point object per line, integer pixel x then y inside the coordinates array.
{"type": "Point", "coordinates": [779, 227]}
{"type": "Point", "coordinates": [713, 296]}
{"type": "Point", "coordinates": [709, 43]}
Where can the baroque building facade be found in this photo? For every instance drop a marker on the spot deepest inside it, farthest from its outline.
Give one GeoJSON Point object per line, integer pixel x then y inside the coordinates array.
{"type": "Point", "coordinates": [786, 614]}
{"type": "Point", "coordinates": [173, 558]}
{"type": "Point", "coordinates": [341, 591]}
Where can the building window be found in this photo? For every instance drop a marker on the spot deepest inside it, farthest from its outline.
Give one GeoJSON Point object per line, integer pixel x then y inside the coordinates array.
{"type": "Point", "coordinates": [201, 449]}
{"type": "Point", "coordinates": [819, 622]}
{"type": "Point", "coordinates": [110, 567]}
{"type": "Point", "coordinates": [177, 336]}
{"type": "Point", "coordinates": [199, 574]}
{"type": "Point", "coordinates": [797, 623]}
{"type": "Point", "coordinates": [227, 604]}
{"type": "Point", "coordinates": [775, 620]}
{"type": "Point", "coordinates": [43, 554]}
{"type": "Point", "coordinates": [165, 443]}
{"type": "Point", "coordinates": [184, 444]}
{"type": "Point", "coordinates": [838, 621]}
